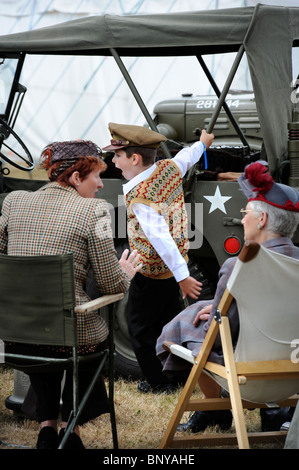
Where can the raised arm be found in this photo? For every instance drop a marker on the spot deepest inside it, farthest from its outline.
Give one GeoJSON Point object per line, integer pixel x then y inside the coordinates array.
{"type": "Point", "coordinates": [188, 156]}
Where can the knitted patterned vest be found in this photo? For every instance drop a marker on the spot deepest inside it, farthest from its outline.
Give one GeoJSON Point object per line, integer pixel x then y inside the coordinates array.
{"type": "Point", "coordinates": [162, 191]}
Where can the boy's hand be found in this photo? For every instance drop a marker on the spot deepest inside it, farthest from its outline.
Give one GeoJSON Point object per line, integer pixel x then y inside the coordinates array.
{"type": "Point", "coordinates": [191, 287]}
{"type": "Point", "coordinates": [206, 139]}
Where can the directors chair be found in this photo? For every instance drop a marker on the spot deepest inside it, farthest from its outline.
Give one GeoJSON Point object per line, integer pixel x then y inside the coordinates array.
{"type": "Point", "coordinates": [37, 306]}
{"type": "Point", "coordinates": [262, 371]}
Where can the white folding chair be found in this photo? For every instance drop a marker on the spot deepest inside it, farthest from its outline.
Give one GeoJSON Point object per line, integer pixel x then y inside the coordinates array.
{"type": "Point", "coordinates": [261, 371]}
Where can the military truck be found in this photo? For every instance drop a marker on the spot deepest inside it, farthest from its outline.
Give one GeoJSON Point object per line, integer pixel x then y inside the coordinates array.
{"type": "Point", "coordinates": [262, 123]}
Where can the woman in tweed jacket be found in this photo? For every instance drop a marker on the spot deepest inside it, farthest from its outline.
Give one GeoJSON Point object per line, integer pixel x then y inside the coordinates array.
{"type": "Point", "coordinates": [270, 218]}
{"type": "Point", "coordinates": [64, 216]}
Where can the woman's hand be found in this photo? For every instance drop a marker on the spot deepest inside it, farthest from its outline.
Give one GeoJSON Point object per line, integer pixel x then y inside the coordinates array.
{"type": "Point", "coordinates": [202, 315]}
{"type": "Point", "coordinates": [190, 286]}
{"type": "Point", "coordinates": [130, 264]}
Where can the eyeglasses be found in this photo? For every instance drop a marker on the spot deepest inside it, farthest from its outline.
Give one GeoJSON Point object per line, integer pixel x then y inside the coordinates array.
{"type": "Point", "coordinates": [244, 212]}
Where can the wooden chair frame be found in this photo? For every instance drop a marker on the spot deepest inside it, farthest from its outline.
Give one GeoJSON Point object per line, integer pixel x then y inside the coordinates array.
{"type": "Point", "coordinates": [236, 374]}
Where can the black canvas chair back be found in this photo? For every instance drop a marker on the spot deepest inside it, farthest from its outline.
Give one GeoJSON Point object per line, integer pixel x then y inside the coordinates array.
{"type": "Point", "coordinates": [37, 306]}
{"type": "Point", "coordinates": [37, 298]}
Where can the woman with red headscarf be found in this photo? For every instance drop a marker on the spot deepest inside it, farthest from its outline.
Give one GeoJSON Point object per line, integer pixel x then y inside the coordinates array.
{"type": "Point", "coordinates": [270, 219]}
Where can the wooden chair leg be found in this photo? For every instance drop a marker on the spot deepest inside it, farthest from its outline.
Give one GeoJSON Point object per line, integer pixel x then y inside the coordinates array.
{"type": "Point", "coordinates": [111, 378]}
{"type": "Point", "coordinates": [190, 385]}
{"type": "Point", "coordinates": [233, 385]}
{"type": "Point", "coordinates": [180, 407]}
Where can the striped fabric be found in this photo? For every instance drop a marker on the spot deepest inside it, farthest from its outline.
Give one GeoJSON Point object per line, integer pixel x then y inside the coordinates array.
{"type": "Point", "coordinates": [56, 219]}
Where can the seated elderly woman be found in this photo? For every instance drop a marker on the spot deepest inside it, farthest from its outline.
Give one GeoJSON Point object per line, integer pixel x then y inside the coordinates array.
{"type": "Point", "coordinates": [270, 219]}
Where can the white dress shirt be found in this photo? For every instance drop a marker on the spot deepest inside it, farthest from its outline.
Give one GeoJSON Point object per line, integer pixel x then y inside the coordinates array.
{"type": "Point", "coordinates": [154, 224]}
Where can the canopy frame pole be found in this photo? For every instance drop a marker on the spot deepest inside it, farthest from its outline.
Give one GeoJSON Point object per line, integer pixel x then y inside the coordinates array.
{"type": "Point", "coordinates": [225, 106]}
{"type": "Point", "coordinates": [138, 98]}
{"type": "Point", "coordinates": [221, 100]}
{"type": "Point", "coordinates": [226, 88]}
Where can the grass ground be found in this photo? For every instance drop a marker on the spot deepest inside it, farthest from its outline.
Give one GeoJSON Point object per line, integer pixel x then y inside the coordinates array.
{"type": "Point", "coordinates": [141, 419]}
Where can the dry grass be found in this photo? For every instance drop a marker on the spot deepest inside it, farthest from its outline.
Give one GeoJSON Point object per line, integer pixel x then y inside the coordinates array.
{"type": "Point", "coordinates": [141, 419]}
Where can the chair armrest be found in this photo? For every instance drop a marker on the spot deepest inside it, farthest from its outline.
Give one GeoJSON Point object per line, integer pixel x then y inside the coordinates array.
{"type": "Point", "coordinates": [98, 303]}
{"type": "Point", "coordinates": [179, 351]}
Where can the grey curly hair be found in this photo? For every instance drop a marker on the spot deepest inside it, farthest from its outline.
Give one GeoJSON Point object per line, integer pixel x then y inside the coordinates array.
{"type": "Point", "coordinates": [280, 221]}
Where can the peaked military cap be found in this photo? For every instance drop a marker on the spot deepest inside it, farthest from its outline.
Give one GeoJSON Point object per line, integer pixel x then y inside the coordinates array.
{"type": "Point", "coordinates": [125, 135]}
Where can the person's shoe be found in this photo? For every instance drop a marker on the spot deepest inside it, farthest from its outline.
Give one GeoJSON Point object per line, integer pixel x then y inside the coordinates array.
{"type": "Point", "coordinates": [168, 389]}
{"type": "Point", "coordinates": [73, 443]}
{"type": "Point", "coordinates": [47, 438]}
{"type": "Point", "coordinates": [200, 420]}
{"type": "Point", "coordinates": [145, 387]}
{"type": "Point", "coordinates": [285, 426]}
{"type": "Point", "coordinates": [273, 418]}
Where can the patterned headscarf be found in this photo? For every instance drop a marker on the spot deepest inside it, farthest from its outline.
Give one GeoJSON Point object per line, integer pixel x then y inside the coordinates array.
{"type": "Point", "coordinates": [68, 153]}
{"type": "Point", "coordinates": [69, 150]}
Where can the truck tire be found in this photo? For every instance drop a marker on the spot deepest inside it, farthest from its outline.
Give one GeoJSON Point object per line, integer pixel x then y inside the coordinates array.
{"type": "Point", "coordinates": [126, 364]}
{"type": "Point", "coordinates": [199, 272]}
{"type": "Point", "coordinates": [125, 361]}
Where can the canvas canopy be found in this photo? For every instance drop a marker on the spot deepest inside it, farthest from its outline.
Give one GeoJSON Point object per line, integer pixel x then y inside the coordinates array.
{"type": "Point", "coordinates": [267, 34]}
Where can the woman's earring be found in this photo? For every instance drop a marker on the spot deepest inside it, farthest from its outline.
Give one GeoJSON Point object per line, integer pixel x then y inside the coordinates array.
{"type": "Point", "coordinates": [259, 226]}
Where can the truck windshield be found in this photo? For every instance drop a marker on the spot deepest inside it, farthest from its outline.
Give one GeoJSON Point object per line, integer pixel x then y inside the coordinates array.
{"type": "Point", "coordinates": [8, 68]}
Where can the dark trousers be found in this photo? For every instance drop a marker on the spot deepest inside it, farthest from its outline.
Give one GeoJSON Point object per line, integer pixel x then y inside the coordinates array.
{"type": "Point", "coordinates": [152, 303]}
{"type": "Point", "coordinates": [47, 397]}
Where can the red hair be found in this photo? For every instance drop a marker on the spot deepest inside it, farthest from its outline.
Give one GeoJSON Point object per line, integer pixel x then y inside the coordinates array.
{"type": "Point", "coordinates": [84, 166]}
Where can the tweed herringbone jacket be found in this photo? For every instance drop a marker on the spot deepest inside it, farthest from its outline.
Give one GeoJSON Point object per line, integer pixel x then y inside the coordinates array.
{"type": "Point", "coordinates": [56, 219]}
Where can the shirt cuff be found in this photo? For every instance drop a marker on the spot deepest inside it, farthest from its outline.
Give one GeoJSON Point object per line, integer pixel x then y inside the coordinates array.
{"type": "Point", "coordinates": [181, 272]}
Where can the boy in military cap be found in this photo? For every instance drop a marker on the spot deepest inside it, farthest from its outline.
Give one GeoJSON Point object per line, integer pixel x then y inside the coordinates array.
{"type": "Point", "coordinates": [157, 229]}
